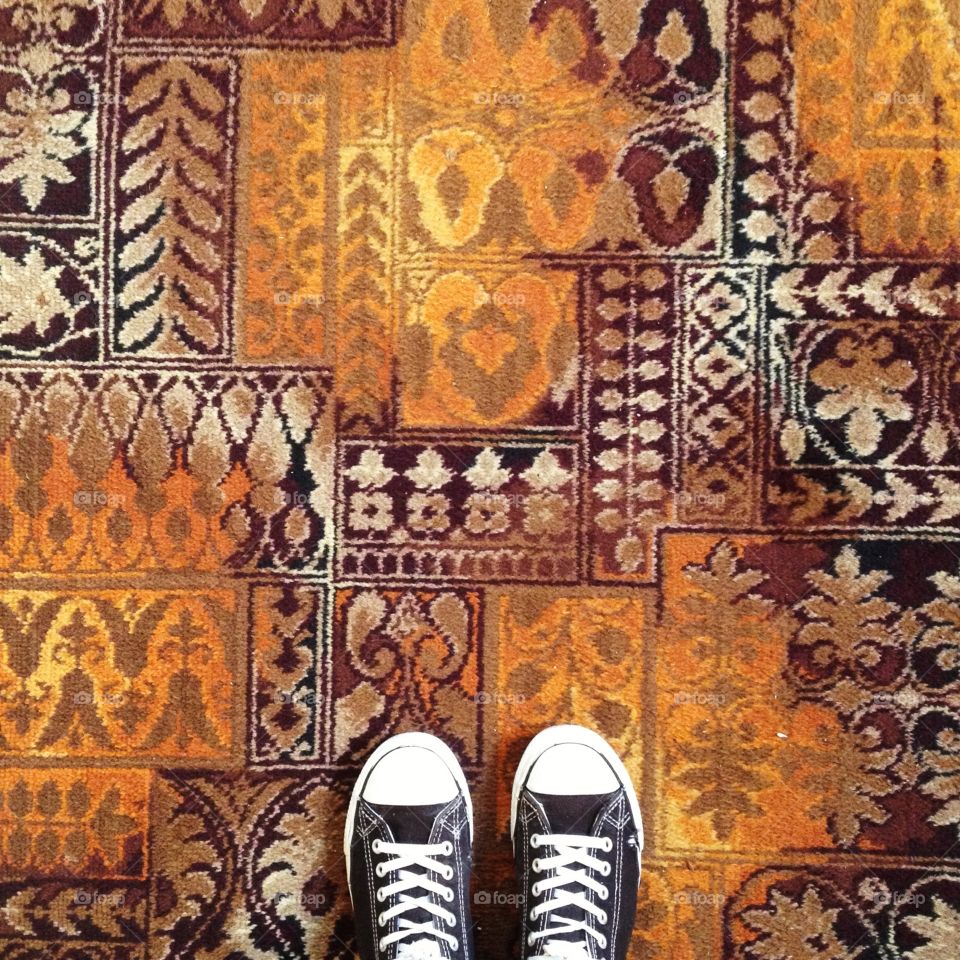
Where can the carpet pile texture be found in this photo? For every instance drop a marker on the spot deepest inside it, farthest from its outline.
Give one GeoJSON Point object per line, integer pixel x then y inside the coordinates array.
{"type": "Point", "coordinates": [471, 366]}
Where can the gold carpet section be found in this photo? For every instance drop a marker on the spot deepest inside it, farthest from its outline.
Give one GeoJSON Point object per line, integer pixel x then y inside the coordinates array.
{"type": "Point", "coordinates": [474, 366]}
{"type": "Point", "coordinates": [877, 94]}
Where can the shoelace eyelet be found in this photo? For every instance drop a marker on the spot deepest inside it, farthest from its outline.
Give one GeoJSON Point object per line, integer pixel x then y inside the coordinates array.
{"type": "Point", "coordinates": [576, 850]}
{"type": "Point", "coordinates": [425, 858]}
{"type": "Point", "coordinates": [375, 846]}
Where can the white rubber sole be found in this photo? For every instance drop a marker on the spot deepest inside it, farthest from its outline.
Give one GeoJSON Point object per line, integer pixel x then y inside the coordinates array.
{"type": "Point", "coordinates": [571, 733]}
{"type": "Point", "coordinates": [425, 741]}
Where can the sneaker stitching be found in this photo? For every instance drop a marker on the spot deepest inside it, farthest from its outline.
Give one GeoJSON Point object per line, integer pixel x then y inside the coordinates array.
{"type": "Point", "coordinates": [444, 818]}
{"type": "Point", "coordinates": [442, 821]}
{"type": "Point", "coordinates": [526, 874]}
{"type": "Point", "coordinates": [386, 834]}
{"type": "Point", "coordinates": [372, 898]}
{"type": "Point", "coordinates": [618, 892]}
{"type": "Point", "coordinates": [460, 934]}
{"type": "Point", "coordinates": [534, 811]}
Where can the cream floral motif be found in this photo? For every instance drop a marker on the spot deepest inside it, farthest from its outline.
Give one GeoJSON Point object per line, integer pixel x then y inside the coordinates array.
{"type": "Point", "coordinates": [61, 15]}
{"type": "Point", "coordinates": [371, 471]}
{"type": "Point", "coordinates": [487, 472]}
{"type": "Point", "coordinates": [848, 619]}
{"type": "Point", "coordinates": [40, 132]}
{"type": "Point", "coordinates": [488, 513]}
{"type": "Point", "coordinates": [864, 385]}
{"type": "Point", "coordinates": [722, 303]}
{"type": "Point", "coordinates": [371, 511]}
{"type": "Point", "coordinates": [429, 473]}
{"type": "Point", "coordinates": [801, 929]}
{"type": "Point", "coordinates": [29, 294]}
{"type": "Point", "coordinates": [428, 512]}
{"type": "Point", "coordinates": [941, 932]}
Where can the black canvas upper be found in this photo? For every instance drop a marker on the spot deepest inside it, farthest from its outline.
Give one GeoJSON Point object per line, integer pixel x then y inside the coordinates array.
{"type": "Point", "coordinates": [418, 825]}
{"type": "Point", "coordinates": [603, 816]}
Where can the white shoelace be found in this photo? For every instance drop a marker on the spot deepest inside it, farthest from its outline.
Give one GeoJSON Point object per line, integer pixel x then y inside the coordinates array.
{"type": "Point", "coordinates": [421, 858]}
{"type": "Point", "coordinates": [571, 850]}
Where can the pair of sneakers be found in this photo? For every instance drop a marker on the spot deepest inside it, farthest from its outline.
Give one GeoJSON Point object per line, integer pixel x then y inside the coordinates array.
{"type": "Point", "coordinates": [577, 837]}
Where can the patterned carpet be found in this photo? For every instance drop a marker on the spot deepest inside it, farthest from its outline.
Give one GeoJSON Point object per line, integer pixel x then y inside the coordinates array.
{"type": "Point", "coordinates": [474, 365]}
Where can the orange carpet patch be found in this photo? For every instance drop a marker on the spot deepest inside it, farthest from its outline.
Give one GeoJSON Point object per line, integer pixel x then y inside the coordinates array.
{"type": "Point", "coordinates": [471, 366]}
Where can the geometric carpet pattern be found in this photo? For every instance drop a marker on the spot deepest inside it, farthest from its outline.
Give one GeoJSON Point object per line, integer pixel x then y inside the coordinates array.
{"type": "Point", "coordinates": [475, 365]}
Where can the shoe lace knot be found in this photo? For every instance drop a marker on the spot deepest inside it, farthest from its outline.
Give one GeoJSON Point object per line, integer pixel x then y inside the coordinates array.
{"type": "Point", "coordinates": [411, 871]}
{"type": "Point", "coordinates": [569, 880]}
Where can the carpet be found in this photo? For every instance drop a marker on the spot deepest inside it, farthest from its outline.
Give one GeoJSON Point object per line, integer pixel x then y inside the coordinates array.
{"type": "Point", "coordinates": [472, 366]}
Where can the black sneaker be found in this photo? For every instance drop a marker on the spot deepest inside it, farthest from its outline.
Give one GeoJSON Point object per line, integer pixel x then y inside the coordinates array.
{"type": "Point", "coordinates": [577, 837]}
{"type": "Point", "coordinates": [407, 844]}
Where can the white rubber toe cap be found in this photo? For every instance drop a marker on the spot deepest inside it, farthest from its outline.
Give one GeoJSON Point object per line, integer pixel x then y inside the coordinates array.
{"type": "Point", "coordinates": [408, 769]}
{"type": "Point", "coordinates": [569, 769]}
{"type": "Point", "coordinates": [571, 760]}
{"type": "Point", "coordinates": [410, 776]}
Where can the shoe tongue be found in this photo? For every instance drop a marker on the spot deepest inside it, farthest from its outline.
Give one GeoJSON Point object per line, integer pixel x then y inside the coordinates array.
{"type": "Point", "coordinates": [576, 813]}
{"type": "Point", "coordinates": [409, 824]}
{"type": "Point", "coordinates": [412, 824]}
